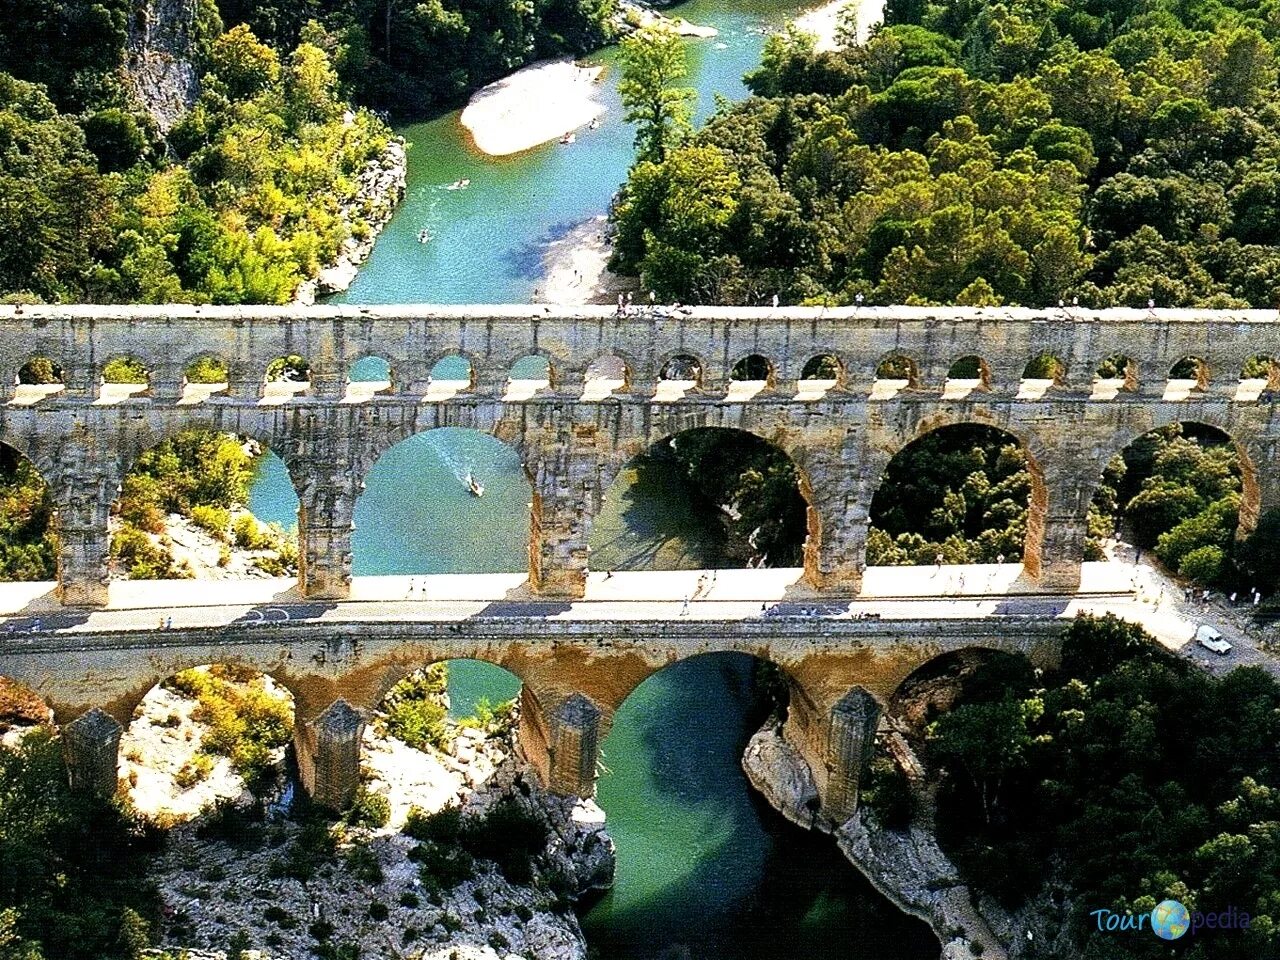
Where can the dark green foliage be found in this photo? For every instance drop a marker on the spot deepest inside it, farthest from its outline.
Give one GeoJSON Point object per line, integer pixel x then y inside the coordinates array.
{"type": "Point", "coordinates": [369, 809]}
{"type": "Point", "coordinates": [1018, 153]}
{"type": "Point", "coordinates": [417, 708]}
{"type": "Point", "coordinates": [727, 468]}
{"type": "Point", "coordinates": [887, 792]}
{"type": "Point", "coordinates": [1126, 776]}
{"type": "Point", "coordinates": [28, 543]}
{"type": "Point", "coordinates": [960, 492]}
{"type": "Point", "coordinates": [72, 886]}
{"type": "Point", "coordinates": [1176, 489]}
{"type": "Point", "coordinates": [508, 834]}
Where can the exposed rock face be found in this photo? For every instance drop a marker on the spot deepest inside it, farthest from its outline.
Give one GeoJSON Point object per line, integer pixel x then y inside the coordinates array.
{"type": "Point", "coordinates": [777, 770]}
{"type": "Point", "coordinates": [160, 68]}
{"type": "Point", "coordinates": [906, 867]}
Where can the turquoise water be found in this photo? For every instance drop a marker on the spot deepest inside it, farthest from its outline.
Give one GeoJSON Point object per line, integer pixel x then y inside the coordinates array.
{"type": "Point", "coordinates": [488, 240]}
{"type": "Point", "coordinates": [706, 871]}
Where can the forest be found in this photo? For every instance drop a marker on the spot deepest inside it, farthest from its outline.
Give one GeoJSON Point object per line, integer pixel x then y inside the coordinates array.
{"type": "Point", "coordinates": [1071, 787]}
{"type": "Point", "coordinates": [1030, 152]}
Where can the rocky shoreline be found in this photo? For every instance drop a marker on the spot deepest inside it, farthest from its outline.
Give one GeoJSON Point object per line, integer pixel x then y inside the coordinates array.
{"type": "Point", "coordinates": [380, 187]}
{"type": "Point", "coordinates": [906, 867]}
{"type": "Point", "coordinates": [236, 884]}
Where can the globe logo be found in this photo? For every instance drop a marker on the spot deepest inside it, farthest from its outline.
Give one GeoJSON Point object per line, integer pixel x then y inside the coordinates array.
{"type": "Point", "coordinates": [1170, 920]}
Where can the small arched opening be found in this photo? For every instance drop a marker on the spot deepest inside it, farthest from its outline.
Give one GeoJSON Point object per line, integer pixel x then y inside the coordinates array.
{"type": "Point", "coordinates": [605, 376]}
{"type": "Point", "coordinates": [1115, 373]}
{"type": "Point", "coordinates": [677, 376]}
{"type": "Point", "coordinates": [529, 376]}
{"type": "Point", "coordinates": [38, 378]}
{"type": "Point", "coordinates": [123, 378]}
{"type": "Point", "coordinates": [1042, 373]}
{"type": "Point", "coordinates": [1259, 375]}
{"type": "Point", "coordinates": [203, 377]}
{"type": "Point", "coordinates": [749, 376]}
{"type": "Point", "coordinates": [1188, 376]}
{"type": "Point", "coordinates": [367, 377]}
{"type": "Point", "coordinates": [452, 374]}
{"type": "Point", "coordinates": [965, 495]}
{"type": "Point", "coordinates": [819, 374]}
{"type": "Point", "coordinates": [287, 377]}
{"type": "Point", "coordinates": [967, 375]}
{"type": "Point", "coordinates": [894, 373]}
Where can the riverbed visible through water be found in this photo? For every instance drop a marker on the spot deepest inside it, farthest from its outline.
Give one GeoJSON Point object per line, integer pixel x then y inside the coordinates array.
{"type": "Point", "coordinates": [706, 870]}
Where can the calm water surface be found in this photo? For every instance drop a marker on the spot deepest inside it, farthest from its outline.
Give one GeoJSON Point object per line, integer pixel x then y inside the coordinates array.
{"type": "Point", "coordinates": [706, 871]}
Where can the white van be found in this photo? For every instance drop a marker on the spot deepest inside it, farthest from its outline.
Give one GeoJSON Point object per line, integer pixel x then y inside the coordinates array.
{"type": "Point", "coordinates": [1211, 639]}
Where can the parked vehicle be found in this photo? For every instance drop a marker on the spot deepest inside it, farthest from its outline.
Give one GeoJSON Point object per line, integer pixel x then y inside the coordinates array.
{"type": "Point", "coordinates": [1211, 639]}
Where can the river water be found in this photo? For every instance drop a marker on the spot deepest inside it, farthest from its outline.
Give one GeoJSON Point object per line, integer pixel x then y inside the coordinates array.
{"type": "Point", "coordinates": [706, 871]}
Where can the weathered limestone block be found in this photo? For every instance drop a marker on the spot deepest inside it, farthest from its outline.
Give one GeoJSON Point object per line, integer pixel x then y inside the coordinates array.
{"type": "Point", "coordinates": [91, 745]}
{"type": "Point", "coordinates": [328, 752]}
{"type": "Point", "coordinates": [573, 747]}
{"type": "Point", "coordinates": [850, 741]}
{"type": "Point", "coordinates": [776, 768]}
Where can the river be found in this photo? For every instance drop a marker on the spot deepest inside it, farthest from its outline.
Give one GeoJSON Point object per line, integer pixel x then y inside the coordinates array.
{"type": "Point", "coordinates": [706, 871]}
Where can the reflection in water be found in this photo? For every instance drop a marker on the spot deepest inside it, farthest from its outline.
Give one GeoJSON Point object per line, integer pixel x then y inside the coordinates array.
{"type": "Point", "coordinates": [705, 869]}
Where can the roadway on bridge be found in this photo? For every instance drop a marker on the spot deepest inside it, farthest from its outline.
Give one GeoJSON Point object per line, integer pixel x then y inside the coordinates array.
{"type": "Point", "coordinates": [1130, 590]}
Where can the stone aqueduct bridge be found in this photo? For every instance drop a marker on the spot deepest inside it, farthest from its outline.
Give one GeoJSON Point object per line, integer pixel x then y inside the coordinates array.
{"type": "Point", "coordinates": [573, 440]}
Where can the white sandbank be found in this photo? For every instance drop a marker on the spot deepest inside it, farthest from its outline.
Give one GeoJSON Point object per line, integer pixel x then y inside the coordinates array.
{"type": "Point", "coordinates": [822, 21]}
{"type": "Point", "coordinates": [575, 268]}
{"type": "Point", "coordinates": [536, 104]}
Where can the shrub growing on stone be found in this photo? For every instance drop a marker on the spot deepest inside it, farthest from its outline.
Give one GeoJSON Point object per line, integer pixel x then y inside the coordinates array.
{"type": "Point", "coordinates": [444, 826]}
{"type": "Point", "coordinates": [509, 835]}
{"type": "Point", "coordinates": [417, 708]}
{"type": "Point", "coordinates": [369, 809]}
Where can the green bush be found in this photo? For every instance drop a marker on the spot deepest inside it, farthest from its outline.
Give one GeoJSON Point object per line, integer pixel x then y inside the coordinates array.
{"type": "Point", "coordinates": [444, 826]}
{"type": "Point", "coordinates": [509, 835]}
{"type": "Point", "coordinates": [215, 520]}
{"type": "Point", "coordinates": [364, 865]}
{"type": "Point", "coordinates": [441, 868]}
{"type": "Point", "coordinates": [124, 370]}
{"type": "Point", "coordinates": [417, 709]}
{"type": "Point", "coordinates": [1203, 564]}
{"type": "Point", "coordinates": [369, 809]}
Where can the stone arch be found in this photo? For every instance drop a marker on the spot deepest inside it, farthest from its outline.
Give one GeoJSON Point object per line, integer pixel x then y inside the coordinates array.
{"type": "Point", "coordinates": [178, 776]}
{"type": "Point", "coordinates": [1046, 365]}
{"type": "Point", "coordinates": [241, 534]}
{"type": "Point", "coordinates": [529, 375]}
{"type": "Point", "coordinates": [1120, 368]}
{"type": "Point", "coordinates": [1163, 418]}
{"type": "Point", "coordinates": [1038, 493]}
{"type": "Point", "coordinates": [897, 365]}
{"type": "Point", "coordinates": [946, 671]}
{"type": "Point", "coordinates": [20, 706]}
{"type": "Point", "coordinates": [753, 367]}
{"type": "Point", "coordinates": [824, 367]}
{"type": "Point", "coordinates": [630, 534]}
{"type": "Point", "coordinates": [682, 366]}
{"type": "Point", "coordinates": [607, 374]}
{"type": "Point", "coordinates": [37, 377]}
{"type": "Point", "coordinates": [970, 367]}
{"type": "Point", "coordinates": [371, 367]}
{"type": "Point", "coordinates": [449, 522]}
{"type": "Point", "coordinates": [123, 376]}
{"type": "Point", "coordinates": [1192, 369]}
{"type": "Point", "coordinates": [1262, 367]}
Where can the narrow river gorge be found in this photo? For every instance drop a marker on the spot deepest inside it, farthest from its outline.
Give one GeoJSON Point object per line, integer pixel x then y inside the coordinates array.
{"type": "Point", "coordinates": [705, 869]}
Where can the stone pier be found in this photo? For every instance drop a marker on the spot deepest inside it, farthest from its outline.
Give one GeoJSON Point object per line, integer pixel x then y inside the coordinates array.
{"type": "Point", "coordinates": [91, 745]}
{"type": "Point", "coordinates": [328, 752]}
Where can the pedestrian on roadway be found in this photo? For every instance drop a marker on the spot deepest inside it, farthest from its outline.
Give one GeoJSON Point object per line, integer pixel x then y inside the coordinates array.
{"type": "Point", "coordinates": [608, 574]}
{"type": "Point", "coordinates": [684, 611]}
{"type": "Point", "coordinates": [411, 586]}
{"type": "Point", "coordinates": [999, 558]}
{"type": "Point", "coordinates": [168, 623]}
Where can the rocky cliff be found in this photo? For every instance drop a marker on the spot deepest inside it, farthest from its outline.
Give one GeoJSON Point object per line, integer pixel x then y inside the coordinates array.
{"type": "Point", "coordinates": [160, 68]}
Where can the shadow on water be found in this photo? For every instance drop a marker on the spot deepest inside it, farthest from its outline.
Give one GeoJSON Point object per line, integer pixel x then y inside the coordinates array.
{"type": "Point", "coordinates": [654, 519]}
{"type": "Point", "coordinates": [706, 870]}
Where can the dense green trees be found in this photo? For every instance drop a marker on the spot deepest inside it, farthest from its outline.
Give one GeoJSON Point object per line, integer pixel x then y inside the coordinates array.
{"type": "Point", "coordinates": [1021, 153]}
{"type": "Point", "coordinates": [413, 58]}
{"type": "Point", "coordinates": [28, 544]}
{"type": "Point", "coordinates": [653, 63]}
{"type": "Point", "coordinates": [959, 492]}
{"type": "Point", "coordinates": [1125, 777]}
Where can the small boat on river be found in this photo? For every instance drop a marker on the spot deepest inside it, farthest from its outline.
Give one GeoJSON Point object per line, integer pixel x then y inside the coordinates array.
{"type": "Point", "coordinates": [424, 235]}
{"type": "Point", "coordinates": [569, 138]}
{"type": "Point", "coordinates": [474, 485]}
{"type": "Point", "coordinates": [459, 184]}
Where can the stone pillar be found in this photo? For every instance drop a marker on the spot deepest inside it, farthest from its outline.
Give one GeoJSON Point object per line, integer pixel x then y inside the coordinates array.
{"type": "Point", "coordinates": [91, 746]}
{"type": "Point", "coordinates": [324, 555]}
{"type": "Point", "coordinates": [568, 487]}
{"type": "Point", "coordinates": [80, 381]}
{"type": "Point", "coordinates": [328, 753]}
{"type": "Point", "coordinates": [561, 745]}
{"type": "Point", "coordinates": [328, 381]}
{"type": "Point", "coordinates": [244, 381]}
{"type": "Point", "coordinates": [851, 738]}
{"type": "Point", "coordinates": [839, 493]}
{"type": "Point", "coordinates": [166, 384]}
{"type": "Point", "coordinates": [84, 542]}
{"type": "Point", "coordinates": [1057, 567]}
